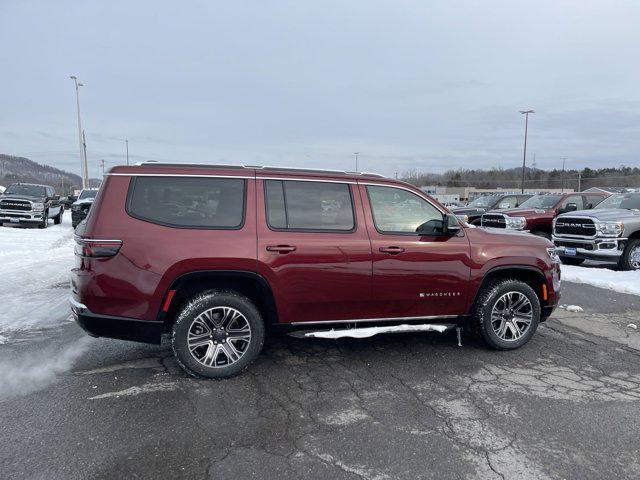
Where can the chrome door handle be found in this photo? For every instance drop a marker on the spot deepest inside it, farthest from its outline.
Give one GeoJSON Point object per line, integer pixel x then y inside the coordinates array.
{"type": "Point", "coordinates": [281, 248]}
{"type": "Point", "coordinates": [391, 250]}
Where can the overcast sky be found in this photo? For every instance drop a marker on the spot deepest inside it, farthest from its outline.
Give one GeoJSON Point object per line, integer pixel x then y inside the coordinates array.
{"type": "Point", "coordinates": [410, 84]}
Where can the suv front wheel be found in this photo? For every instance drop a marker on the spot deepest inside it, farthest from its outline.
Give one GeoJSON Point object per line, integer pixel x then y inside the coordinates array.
{"type": "Point", "coordinates": [217, 334]}
{"type": "Point", "coordinates": [508, 313]}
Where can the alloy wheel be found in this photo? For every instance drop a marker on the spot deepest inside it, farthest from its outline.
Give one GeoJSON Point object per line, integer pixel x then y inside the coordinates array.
{"type": "Point", "coordinates": [511, 316]}
{"type": "Point", "coordinates": [219, 337]}
{"type": "Point", "coordinates": [634, 257]}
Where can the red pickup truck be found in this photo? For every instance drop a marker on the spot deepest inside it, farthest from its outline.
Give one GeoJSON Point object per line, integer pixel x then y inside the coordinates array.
{"type": "Point", "coordinates": [215, 256]}
{"type": "Point", "coordinates": [536, 214]}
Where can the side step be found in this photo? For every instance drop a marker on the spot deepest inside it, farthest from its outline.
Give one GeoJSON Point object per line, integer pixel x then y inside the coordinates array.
{"type": "Point", "coordinates": [371, 331]}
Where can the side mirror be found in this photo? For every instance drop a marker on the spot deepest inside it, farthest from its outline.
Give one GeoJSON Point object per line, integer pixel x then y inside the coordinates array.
{"type": "Point", "coordinates": [432, 227]}
{"type": "Point", "coordinates": [571, 207]}
{"type": "Point", "coordinates": [452, 226]}
{"type": "Point", "coordinates": [447, 226]}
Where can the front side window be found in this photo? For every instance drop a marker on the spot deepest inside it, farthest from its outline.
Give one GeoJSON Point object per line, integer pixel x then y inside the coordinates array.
{"type": "Point", "coordinates": [301, 205]}
{"type": "Point", "coordinates": [577, 199]}
{"type": "Point", "coordinates": [541, 201]}
{"type": "Point", "coordinates": [399, 211]}
{"type": "Point", "coordinates": [508, 202]}
{"type": "Point", "coordinates": [196, 202]}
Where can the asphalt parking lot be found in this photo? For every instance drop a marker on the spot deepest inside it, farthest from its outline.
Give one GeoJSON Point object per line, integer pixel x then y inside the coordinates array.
{"type": "Point", "coordinates": [394, 406]}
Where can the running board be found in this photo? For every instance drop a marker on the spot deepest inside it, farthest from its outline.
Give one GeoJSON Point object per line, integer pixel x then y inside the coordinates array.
{"type": "Point", "coordinates": [371, 331]}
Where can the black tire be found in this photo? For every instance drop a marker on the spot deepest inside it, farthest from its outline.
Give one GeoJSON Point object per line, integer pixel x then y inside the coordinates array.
{"type": "Point", "coordinates": [572, 261]}
{"type": "Point", "coordinates": [627, 262]}
{"type": "Point", "coordinates": [540, 233]}
{"type": "Point", "coordinates": [57, 220]}
{"type": "Point", "coordinates": [45, 220]}
{"type": "Point", "coordinates": [188, 323]}
{"type": "Point", "coordinates": [491, 295]}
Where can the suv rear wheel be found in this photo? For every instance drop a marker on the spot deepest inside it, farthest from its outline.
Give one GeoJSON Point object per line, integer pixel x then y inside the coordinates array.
{"type": "Point", "coordinates": [57, 220]}
{"type": "Point", "coordinates": [508, 313]}
{"type": "Point", "coordinates": [630, 259]}
{"type": "Point", "coordinates": [217, 334]}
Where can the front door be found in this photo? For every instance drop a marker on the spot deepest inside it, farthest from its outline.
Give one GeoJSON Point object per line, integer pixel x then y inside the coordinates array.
{"type": "Point", "coordinates": [313, 249]}
{"type": "Point", "coordinates": [413, 275]}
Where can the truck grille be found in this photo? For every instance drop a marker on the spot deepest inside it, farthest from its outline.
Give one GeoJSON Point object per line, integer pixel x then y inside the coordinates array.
{"type": "Point", "coordinates": [20, 205]}
{"type": "Point", "coordinates": [583, 227]}
{"type": "Point", "coordinates": [494, 221]}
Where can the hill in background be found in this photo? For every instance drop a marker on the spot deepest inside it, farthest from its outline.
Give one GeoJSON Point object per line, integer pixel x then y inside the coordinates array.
{"type": "Point", "coordinates": [21, 169]}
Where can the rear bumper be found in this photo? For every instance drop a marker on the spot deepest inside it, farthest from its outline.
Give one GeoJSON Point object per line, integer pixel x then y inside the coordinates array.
{"type": "Point", "coordinates": [122, 328]}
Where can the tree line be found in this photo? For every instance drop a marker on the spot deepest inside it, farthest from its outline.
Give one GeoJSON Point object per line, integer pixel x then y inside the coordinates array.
{"type": "Point", "coordinates": [511, 178]}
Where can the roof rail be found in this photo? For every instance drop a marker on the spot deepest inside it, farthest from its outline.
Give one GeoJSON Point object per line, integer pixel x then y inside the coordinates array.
{"type": "Point", "coordinates": [153, 163]}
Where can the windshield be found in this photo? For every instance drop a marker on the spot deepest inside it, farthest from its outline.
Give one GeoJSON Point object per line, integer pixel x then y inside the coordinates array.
{"type": "Point", "coordinates": [629, 201]}
{"type": "Point", "coordinates": [87, 194]}
{"type": "Point", "coordinates": [30, 190]}
{"type": "Point", "coordinates": [483, 202]}
{"type": "Point", "coordinates": [541, 201]}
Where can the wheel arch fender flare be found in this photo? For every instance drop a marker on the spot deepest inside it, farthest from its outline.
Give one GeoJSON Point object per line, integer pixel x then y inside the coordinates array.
{"type": "Point", "coordinates": [522, 272]}
{"type": "Point", "coordinates": [248, 283]}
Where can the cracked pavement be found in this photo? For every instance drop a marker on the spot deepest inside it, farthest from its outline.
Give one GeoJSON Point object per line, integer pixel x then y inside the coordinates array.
{"type": "Point", "coordinates": [399, 406]}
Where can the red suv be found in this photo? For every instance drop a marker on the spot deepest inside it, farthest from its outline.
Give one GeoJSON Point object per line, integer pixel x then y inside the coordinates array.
{"type": "Point", "coordinates": [536, 214]}
{"type": "Point", "coordinates": [214, 255]}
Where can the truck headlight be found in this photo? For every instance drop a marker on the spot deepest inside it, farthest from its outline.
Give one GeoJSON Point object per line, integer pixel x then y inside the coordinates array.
{"type": "Point", "coordinates": [38, 207]}
{"type": "Point", "coordinates": [609, 229]}
{"type": "Point", "coordinates": [516, 223]}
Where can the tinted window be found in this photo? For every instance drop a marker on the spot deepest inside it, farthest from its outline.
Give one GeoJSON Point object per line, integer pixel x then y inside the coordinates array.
{"type": "Point", "coordinates": [299, 205]}
{"type": "Point", "coordinates": [399, 211]}
{"type": "Point", "coordinates": [593, 200]}
{"type": "Point", "coordinates": [541, 201]}
{"type": "Point", "coordinates": [508, 202]}
{"type": "Point", "coordinates": [30, 190]}
{"type": "Point", "coordinates": [188, 201]}
{"type": "Point", "coordinates": [84, 194]}
{"type": "Point", "coordinates": [577, 199]}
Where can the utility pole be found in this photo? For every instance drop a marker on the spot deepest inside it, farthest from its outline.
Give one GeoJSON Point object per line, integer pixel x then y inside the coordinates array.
{"type": "Point", "coordinates": [356, 154]}
{"type": "Point", "coordinates": [83, 157]}
{"type": "Point", "coordinates": [524, 156]}
{"type": "Point", "coordinates": [85, 180]}
{"type": "Point", "coordinates": [126, 142]}
{"type": "Point", "coordinates": [102, 165]}
{"type": "Point", "coordinates": [580, 181]}
{"type": "Point", "coordinates": [564, 159]}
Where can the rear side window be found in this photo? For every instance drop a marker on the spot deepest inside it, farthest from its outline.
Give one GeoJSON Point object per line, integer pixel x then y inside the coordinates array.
{"type": "Point", "coordinates": [195, 202]}
{"type": "Point", "coordinates": [319, 206]}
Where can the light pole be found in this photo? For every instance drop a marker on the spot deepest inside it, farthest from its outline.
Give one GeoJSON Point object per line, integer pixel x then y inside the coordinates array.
{"type": "Point", "coordinates": [356, 154]}
{"type": "Point", "coordinates": [564, 159]}
{"type": "Point", "coordinates": [524, 156]}
{"type": "Point", "coordinates": [83, 159]}
{"type": "Point", "coordinates": [126, 142]}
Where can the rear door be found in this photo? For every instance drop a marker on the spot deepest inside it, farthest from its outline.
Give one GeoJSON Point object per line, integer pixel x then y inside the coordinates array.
{"type": "Point", "coordinates": [313, 248]}
{"type": "Point", "coordinates": [413, 275]}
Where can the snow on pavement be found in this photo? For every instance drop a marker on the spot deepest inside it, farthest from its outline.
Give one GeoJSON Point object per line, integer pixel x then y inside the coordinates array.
{"type": "Point", "coordinates": [34, 276]}
{"type": "Point", "coordinates": [620, 281]}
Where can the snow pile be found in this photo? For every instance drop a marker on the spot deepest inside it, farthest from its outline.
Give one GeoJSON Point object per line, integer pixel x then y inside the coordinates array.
{"type": "Point", "coordinates": [623, 282]}
{"type": "Point", "coordinates": [34, 276]}
{"type": "Point", "coordinates": [371, 331]}
{"type": "Point", "coordinates": [574, 308]}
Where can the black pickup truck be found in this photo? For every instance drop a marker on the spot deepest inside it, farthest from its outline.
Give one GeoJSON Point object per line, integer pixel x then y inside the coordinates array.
{"type": "Point", "coordinates": [30, 204]}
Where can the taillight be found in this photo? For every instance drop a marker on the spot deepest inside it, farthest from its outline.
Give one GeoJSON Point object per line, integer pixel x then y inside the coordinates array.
{"type": "Point", "coordinates": [88, 247]}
